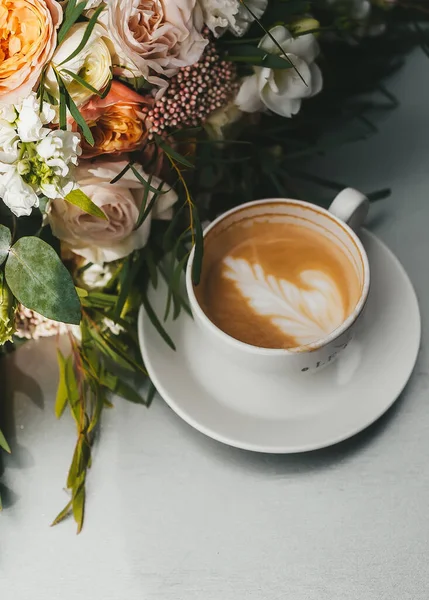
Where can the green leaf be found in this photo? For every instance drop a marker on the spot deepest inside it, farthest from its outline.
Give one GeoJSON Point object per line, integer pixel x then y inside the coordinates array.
{"type": "Point", "coordinates": [75, 113]}
{"type": "Point", "coordinates": [63, 101]}
{"type": "Point", "coordinates": [78, 504]}
{"type": "Point", "coordinates": [82, 201]}
{"type": "Point", "coordinates": [151, 266]}
{"type": "Point", "coordinates": [62, 393]}
{"type": "Point", "coordinates": [3, 443]}
{"type": "Point", "coordinates": [253, 55]}
{"type": "Point", "coordinates": [63, 514]}
{"type": "Point", "coordinates": [40, 281]}
{"type": "Point", "coordinates": [82, 293]}
{"type": "Point", "coordinates": [89, 29]}
{"type": "Point", "coordinates": [121, 388]}
{"type": "Point", "coordinates": [199, 248]}
{"type": "Point", "coordinates": [151, 393]}
{"type": "Point", "coordinates": [5, 242]}
{"type": "Point", "coordinates": [157, 323]}
{"type": "Point", "coordinates": [72, 14]}
{"type": "Point", "coordinates": [171, 152]}
{"type": "Point", "coordinates": [100, 402]}
{"type": "Point", "coordinates": [87, 85]}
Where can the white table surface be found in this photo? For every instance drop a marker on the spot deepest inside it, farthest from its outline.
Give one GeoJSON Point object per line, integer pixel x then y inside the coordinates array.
{"type": "Point", "coordinates": [172, 515]}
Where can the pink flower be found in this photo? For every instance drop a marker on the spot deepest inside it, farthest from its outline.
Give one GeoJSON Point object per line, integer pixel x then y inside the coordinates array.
{"type": "Point", "coordinates": [28, 30]}
{"type": "Point", "coordinates": [154, 38]}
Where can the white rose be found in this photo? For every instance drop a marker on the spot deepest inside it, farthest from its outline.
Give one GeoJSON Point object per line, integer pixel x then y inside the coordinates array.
{"type": "Point", "coordinates": [93, 63]}
{"type": "Point", "coordinates": [282, 90]}
{"type": "Point", "coordinates": [101, 241]}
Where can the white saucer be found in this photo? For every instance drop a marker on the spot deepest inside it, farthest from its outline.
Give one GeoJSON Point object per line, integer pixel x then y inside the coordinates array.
{"type": "Point", "coordinates": [277, 414]}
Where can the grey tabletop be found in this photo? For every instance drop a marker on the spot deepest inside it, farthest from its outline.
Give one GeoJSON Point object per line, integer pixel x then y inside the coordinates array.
{"type": "Point", "coordinates": [173, 515]}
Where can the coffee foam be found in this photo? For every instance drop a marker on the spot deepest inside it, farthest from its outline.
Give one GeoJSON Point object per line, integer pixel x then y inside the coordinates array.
{"type": "Point", "coordinates": [277, 283]}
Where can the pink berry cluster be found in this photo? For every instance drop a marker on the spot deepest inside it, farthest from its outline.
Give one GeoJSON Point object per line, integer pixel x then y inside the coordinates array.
{"type": "Point", "coordinates": [194, 93]}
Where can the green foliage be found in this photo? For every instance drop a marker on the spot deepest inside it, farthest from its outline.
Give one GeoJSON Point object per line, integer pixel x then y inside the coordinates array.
{"type": "Point", "coordinates": [5, 242]}
{"type": "Point", "coordinates": [39, 280]}
{"type": "Point", "coordinates": [81, 200]}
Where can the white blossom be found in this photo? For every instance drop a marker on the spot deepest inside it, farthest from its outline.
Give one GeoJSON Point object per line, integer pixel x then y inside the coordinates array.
{"type": "Point", "coordinates": [232, 15]}
{"type": "Point", "coordinates": [282, 90]}
{"type": "Point", "coordinates": [34, 159]}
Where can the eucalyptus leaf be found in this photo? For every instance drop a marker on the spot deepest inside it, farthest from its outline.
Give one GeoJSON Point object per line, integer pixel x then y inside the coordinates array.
{"type": "Point", "coordinates": [5, 242]}
{"type": "Point", "coordinates": [39, 280]}
{"type": "Point", "coordinates": [82, 201]}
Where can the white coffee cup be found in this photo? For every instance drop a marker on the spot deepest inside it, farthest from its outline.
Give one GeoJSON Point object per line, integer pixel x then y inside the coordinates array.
{"type": "Point", "coordinates": [346, 213]}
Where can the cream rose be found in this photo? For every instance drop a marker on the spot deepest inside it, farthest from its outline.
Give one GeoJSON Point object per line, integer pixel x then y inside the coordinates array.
{"type": "Point", "coordinates": [28, 33]}
{"type": "Point", "coordinates": [154, 37]}
{"type": "Point", "coordinates": [93, 63]}
{"type": "Point", "coordinates": [101, 241]}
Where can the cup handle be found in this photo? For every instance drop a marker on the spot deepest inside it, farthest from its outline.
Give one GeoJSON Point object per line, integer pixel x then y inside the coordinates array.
{"type": "Point", "coordinates": [351, 207]}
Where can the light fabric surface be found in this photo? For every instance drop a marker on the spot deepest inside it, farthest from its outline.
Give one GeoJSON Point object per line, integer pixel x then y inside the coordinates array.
{"type": "Point", "coordinates": [172, 515]}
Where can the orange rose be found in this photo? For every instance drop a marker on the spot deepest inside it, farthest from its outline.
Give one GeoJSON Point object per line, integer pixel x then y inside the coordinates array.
{"type": "Point", "coordinates": [115, 121]}
{"type": "Point", "coordinates": [28, 37]}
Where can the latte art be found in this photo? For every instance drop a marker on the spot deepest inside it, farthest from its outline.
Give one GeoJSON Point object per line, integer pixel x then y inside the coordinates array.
{"type": "Point", "coordinates": [274, 283]}
{"type": "Point", "coordinates": [307, 313]}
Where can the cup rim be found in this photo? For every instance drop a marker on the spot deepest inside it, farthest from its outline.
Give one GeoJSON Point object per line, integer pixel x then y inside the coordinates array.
{"type": "Point", "coordinates": [318, 344]}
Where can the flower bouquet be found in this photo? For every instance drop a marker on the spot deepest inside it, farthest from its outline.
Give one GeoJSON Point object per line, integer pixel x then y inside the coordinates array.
{"type": "Point", "coordinates": [124, 124]}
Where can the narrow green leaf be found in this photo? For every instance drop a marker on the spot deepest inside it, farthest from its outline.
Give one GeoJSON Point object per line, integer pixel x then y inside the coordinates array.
{"type": "Point", "coordinates": [145, 210]}
{"type": "Point", "coordinates": [127, 278]}
{"type": "Point", "coordinates": [75, 113]}
{"type": "Point", "coordinates": [63, 514]}
{"type": "Point", "coordinates": [122, 173]}
{"type": "Point", "coordinates": [5, 242]}
{"type": "Point", "coordinates": [257, 56]}
{"type": "Point", "coordinates": [82, 201]}
{"type": "Point", "coordinates": [156, 323]}
{"type": "Point", "coordinates": [144, 182]}
{"type": "Point", "coordinates": [76, 465]}
{"type": "Point", "coordinates": [39, 280]}
{"type": "Point", "coordinates": [88, 86]}
{"type": "Point", "coordinates": [72, 14]}
{"type": "Point", "coordinates": [172, 152]}
{"type": "Point", "coordinates": [100, 401]}
{"type": "Point", "coordinates": [121, 388]}
{"type": "Point", "coordinates": [72, 388]}
{"type": "Point", "coordinates": [199, 248]}
{"type": "Point", "coordinates": [79, 506]}
{"type": "Point", "coordinates": [62, 393]}
{"type": "Point", "coordinates": [63, 102]}
{"type": "Point", "coordinates": [174, 284]}
{"type": "Point", "coordinates": [89, 29]}
{"type": "Point", "coordinates": [150, 394]}
{"type": "Point", "coordinates": [151, 266]}
{"type": "Point", "coordinates": [3, 443]}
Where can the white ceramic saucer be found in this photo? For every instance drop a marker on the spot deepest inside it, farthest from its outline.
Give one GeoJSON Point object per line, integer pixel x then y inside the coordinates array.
{"type": "Point", "coordinates": [278, 414]}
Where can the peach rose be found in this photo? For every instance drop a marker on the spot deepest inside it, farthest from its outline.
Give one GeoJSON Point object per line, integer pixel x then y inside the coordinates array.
{"type": "Point", "coordinates": [99, 240]}
{"type": "Point", "coordinates": [154, 36]}
{"type": "Point", "coordinates": [28, 34]}
{"type": "Point", "coordinates": [115, 121]}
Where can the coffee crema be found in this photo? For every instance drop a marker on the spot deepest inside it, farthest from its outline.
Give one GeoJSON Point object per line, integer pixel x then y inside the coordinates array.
{"type": "Point", "coordinates": [276, 284]}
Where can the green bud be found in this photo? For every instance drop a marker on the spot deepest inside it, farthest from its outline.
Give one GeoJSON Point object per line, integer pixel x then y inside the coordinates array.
{"type": "Point", "coordinates": [8, 305]}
